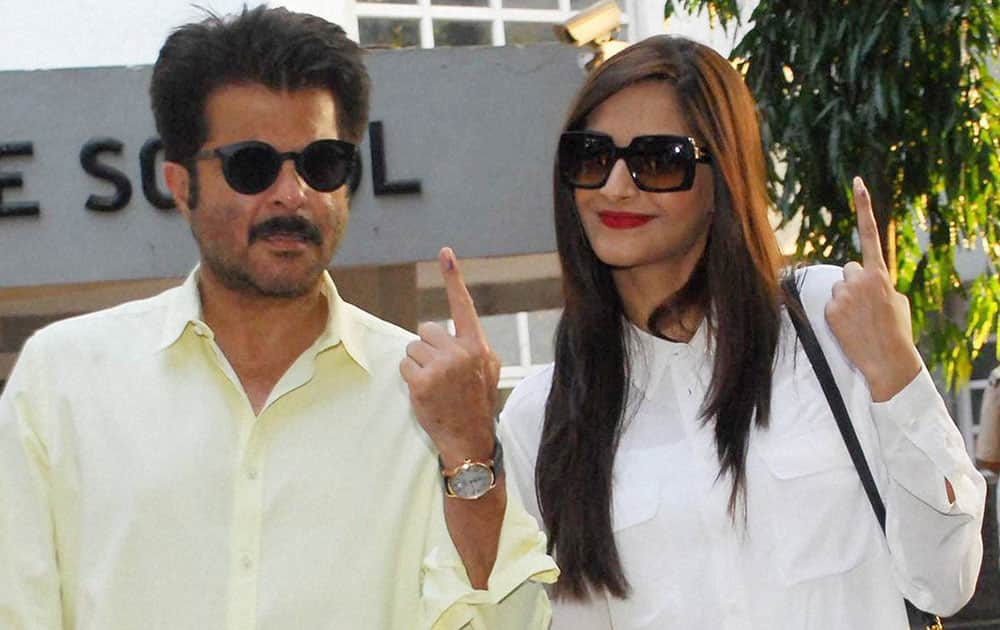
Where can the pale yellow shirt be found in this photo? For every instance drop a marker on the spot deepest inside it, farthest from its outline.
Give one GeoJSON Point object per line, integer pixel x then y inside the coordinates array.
{"type": "Point", "coordinates": [139, 490]}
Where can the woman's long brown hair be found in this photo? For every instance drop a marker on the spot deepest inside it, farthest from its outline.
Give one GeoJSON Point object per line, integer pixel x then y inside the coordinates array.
{"type": "Point", "coordinates": [736, 284]}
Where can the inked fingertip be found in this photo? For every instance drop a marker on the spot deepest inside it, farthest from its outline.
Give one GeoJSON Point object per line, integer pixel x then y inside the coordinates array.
{"type": "Point", "coordinates": [859, 186]}
{"type": "Point", "coordinates": [446, 258]}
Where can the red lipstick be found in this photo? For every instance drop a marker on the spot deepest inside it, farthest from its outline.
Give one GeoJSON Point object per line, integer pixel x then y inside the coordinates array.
{"type": "Point", "coordinates": [623, 220]}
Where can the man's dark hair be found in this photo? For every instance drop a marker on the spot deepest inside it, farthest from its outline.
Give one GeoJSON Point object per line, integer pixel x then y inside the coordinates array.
{"type": "Point", "coordinates": [276, 48]}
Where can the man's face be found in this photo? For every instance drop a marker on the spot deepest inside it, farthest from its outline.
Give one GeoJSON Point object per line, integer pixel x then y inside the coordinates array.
{"type": "Point", "coordinates": [275, 243]}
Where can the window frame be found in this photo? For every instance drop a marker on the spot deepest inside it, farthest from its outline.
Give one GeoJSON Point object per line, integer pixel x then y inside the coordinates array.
{"type": "Point", "coordinates": [426, 13]}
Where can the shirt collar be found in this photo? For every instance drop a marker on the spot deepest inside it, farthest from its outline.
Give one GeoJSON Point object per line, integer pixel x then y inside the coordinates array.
{"type": "Point", "coordinates": [649, 356]}
{"type": "Point", "coordinates": [184, 311]}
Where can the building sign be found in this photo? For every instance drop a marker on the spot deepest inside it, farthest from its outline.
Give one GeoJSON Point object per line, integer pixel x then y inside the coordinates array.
{"type": "Point", "coordinates": [459, 152]}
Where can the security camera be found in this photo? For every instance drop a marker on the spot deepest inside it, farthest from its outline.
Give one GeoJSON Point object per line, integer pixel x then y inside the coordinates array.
{"type": "Point", "coordinates": [594, 25]}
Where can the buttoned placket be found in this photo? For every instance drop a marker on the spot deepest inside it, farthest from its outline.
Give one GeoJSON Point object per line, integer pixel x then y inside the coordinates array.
{"type": "Point", "coordinates": [246, 526]}
{"type": "Point", "coordinates": [691, 372]}
{"type": "Point", "coordinates": [245, 535]}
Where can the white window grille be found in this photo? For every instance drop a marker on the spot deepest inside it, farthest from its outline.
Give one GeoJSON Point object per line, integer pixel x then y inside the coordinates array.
{"type": "Point", "coordinates": [524, 352]}
{"type": "Point", "coordinates": [967, 403]}
{"type": "Point", "coordinates": [430, 23]}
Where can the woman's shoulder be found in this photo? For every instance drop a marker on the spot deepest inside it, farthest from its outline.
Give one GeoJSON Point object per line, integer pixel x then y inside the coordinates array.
{"type": "Point", "coordinates": [529, 396]}
{"type": "Point", "coordinates": [524, 412]}
{"type": "Point", "coordinates": [520, 428]}
{"type": "Point", "coordinates": [816, 281]}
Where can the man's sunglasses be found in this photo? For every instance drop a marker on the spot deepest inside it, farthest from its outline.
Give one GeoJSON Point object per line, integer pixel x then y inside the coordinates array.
{"type": "Point", "coordinates": [656, 163]}
{"type": "Point", "coordinates": [251, 167]}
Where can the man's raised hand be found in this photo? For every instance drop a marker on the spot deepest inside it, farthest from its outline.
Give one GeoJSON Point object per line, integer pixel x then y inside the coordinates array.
{"type": "Point", "coordinates": [453, 379]}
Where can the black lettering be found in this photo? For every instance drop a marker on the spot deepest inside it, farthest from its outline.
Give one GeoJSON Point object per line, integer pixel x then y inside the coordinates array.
{"type": "Point", "coordinates": [123, 187]}
{"type": "Point", "coordinates": [147, 169]}
{"type": "Point", "coordinates": [14, 180]}
{"type": "Point", "coordinates": [379, 182]}
{"type": "Point", "coordinates": [355, 180]}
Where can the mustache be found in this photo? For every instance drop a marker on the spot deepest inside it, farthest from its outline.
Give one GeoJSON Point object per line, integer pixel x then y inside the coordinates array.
{"type": "Point", "coordinates": [291, 225]}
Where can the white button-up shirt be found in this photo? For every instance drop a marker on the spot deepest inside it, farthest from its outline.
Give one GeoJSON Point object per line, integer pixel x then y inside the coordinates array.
{"type": "Point", "coordinates": [810, 555]}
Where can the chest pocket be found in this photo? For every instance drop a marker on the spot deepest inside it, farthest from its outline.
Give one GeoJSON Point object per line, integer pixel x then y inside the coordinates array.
{"type": "Point", "coordinates": [636, 488]}
{"type": "Point", "coordinates": [813, 501]}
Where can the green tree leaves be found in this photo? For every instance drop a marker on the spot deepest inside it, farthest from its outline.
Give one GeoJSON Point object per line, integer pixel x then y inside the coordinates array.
{"type": "Point", "coordinates": [901, 93]}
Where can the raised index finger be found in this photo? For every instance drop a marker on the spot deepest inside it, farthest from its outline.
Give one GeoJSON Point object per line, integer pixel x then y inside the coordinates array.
{"type": "Point", "coordinates": [463, 311]}
{"type": "Point", "coordinates": [871, 244]}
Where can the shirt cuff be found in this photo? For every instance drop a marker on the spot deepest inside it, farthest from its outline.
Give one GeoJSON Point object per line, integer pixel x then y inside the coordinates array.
{"type": "Point", "coordinates": [921, 445]}
{"type": "Point", "coordinates": [450, 601]}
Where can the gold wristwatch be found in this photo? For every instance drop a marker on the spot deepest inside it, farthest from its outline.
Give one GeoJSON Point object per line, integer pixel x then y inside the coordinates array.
{"type": "Point", "coordinates": [473, 479]}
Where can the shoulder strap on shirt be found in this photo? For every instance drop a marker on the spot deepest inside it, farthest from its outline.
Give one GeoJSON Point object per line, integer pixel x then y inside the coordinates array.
{"type": "Point", "coordinates": [807, 336]}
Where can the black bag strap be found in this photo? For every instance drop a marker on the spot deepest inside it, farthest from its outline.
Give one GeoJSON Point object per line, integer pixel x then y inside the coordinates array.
{"type": "Point", "coordinates": [822, 369]}
{"type": "Point", "coordinates": [807, 337]}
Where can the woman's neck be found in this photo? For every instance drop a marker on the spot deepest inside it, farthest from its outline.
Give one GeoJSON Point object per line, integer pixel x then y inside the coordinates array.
{"type": "Point", "coordinates": [643, 289]}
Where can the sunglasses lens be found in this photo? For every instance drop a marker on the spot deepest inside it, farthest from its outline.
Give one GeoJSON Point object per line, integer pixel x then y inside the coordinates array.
{"type": "Point", "coordinates": [584, 159]}
{"type": "Point", "coordinates": [252, 169]}
{"type": "Point", "coordinates": [661, 164]}
{"type": "Point", "coordinates": [326, 164]}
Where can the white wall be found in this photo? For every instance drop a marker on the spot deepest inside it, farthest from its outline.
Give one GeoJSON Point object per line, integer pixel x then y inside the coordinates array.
{"type": "Point", "coordinates": [36, 34]}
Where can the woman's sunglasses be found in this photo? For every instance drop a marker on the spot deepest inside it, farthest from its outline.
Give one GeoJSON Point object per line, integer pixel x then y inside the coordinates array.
{"type": "Point", "coordinates": [251, 167]}
{"type": "Point", "coordinates": [656, 163]}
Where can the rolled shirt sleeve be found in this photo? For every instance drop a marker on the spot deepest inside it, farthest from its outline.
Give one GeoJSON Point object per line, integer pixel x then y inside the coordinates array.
{"type": "Point", "coordinates": [515, 597]}
{"type": "Point", "coordinates": [936, 544]}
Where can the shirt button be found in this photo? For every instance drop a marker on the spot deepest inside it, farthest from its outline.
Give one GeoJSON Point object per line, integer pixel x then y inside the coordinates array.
{"type": "Point", "coordinates": [247, 562]}
{"type": "Point", "coordinates": [252, 474]}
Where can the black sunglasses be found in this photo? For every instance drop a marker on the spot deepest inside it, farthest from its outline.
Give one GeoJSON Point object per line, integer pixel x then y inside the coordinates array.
{"type": "Point", "coordinates": [251, 167]}
{"type": "Point", "coordinates": [656, 163]}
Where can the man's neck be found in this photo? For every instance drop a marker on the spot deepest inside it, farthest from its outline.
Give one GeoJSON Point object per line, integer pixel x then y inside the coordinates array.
{"type": "Point", "coordinates": [255, 318]}
{"type": "Point", "coordinates": [262, 336]}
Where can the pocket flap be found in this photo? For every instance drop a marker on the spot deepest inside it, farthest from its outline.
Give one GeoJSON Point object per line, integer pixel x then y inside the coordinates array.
{"type": "Point", "coordinates": [806, 453]}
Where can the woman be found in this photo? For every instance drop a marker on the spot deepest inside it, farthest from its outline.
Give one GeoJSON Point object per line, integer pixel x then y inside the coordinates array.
{"type": "Point", "coordinates": [680, 453]}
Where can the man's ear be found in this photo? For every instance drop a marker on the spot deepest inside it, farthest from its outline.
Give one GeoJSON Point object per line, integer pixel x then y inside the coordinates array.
{"type": "Point", "coordinates": [178, 179]}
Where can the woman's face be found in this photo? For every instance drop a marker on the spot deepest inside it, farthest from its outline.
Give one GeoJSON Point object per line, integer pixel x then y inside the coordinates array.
{"type": "Point", "coordinates": [631, 229]}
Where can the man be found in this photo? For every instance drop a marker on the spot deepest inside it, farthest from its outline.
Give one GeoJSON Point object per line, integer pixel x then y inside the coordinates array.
{"type": "Point", "coordinates": [241, 452]}
{"type": "Point", "coordinates": [988, 442]}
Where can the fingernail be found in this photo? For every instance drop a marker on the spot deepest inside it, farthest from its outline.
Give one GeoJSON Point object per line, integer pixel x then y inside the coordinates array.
{"type": "Point", "coordinates": [859, 186]}
{"type": "Point", "coordinates": [447, 259]}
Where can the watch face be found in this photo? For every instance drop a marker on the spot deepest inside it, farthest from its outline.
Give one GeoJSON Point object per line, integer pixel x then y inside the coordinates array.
{"type": "Point", "coordinates": [472, 481]}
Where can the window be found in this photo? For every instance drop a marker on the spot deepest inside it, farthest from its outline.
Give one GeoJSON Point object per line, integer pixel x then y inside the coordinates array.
{"type": "Point", "coordinates": [430, 23]}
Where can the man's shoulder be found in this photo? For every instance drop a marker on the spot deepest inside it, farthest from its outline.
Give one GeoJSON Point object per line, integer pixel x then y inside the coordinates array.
{"type": "Point", "coordinates": [380, 330]}
{"type": "Point", "coordinates": [133, 322]}
{"type": "Point", "coordinates": [381, 340]}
